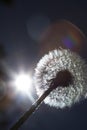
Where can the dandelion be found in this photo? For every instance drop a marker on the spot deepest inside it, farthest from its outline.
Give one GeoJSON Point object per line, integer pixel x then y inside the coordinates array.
{"type": "Point", "coordinates": [60, 81]}
{"type": "Point", "coordinates": [49, 67]}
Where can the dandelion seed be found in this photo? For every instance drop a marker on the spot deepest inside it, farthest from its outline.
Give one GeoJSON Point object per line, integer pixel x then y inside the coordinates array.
{"type": "Point", "coordinates": [50, 66]}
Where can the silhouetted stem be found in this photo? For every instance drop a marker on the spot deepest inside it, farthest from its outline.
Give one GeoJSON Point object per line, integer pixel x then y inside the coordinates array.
{"type": "Point", "coordinates": [31, 110]}
{"type": "Point", "coordinates": [63, 78]}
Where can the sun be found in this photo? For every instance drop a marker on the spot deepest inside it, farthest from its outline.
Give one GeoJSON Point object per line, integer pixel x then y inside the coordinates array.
{"type": "Point", "coordinates": [23, 82]}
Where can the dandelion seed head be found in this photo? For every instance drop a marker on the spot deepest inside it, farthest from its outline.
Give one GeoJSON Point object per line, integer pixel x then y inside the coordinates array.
{"type": "Point", "coordinates": [48, 68]}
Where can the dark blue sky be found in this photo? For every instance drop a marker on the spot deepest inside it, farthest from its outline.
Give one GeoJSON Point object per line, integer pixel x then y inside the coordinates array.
{"type": "Point", "coordinates": [20, 36]}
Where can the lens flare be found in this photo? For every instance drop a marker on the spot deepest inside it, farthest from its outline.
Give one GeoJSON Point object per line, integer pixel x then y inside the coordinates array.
{"type": "Point", "coordinates": [62, 33]}
{"type": "Point", "coordinates": [48, 68]}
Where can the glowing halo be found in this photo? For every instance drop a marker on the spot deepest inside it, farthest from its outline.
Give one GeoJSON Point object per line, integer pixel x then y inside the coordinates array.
{"type": "Point", "coordinates": [23, 84]}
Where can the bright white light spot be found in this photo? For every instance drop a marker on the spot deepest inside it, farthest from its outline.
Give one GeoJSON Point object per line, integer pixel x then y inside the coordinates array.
{"type": "Point", "coordinates": [23, 82]}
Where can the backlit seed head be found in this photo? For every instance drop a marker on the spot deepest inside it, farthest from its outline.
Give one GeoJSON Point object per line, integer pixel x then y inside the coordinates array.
{"type": "Point", "coordinates": [69, 72]}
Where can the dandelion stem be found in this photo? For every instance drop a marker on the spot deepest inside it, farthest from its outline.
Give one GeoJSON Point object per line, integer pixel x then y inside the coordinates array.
{"type": "Point", "coordinates": [27, 114]}
{"type": "Point", "coordinates": [63, 78]}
